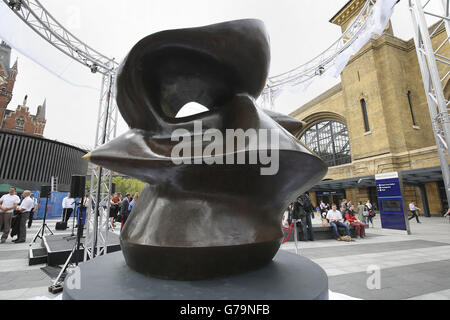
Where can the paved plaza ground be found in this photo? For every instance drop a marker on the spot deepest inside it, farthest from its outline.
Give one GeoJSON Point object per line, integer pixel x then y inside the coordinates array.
{"type": "Point", "coordinates": [415, 266]}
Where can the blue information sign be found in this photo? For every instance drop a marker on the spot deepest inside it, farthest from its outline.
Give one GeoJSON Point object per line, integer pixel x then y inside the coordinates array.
{"type": "Point", "coordinates": [390, 201]}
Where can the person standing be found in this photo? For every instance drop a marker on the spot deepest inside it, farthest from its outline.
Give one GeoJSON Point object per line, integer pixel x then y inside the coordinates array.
{"type": "Point", "coordinates": [323, 206]}
{"type": "Point", "coordinates": [35, 209]}
{"type": "Point", "coordinates": [344, 204]}
{"type": "Point", "coordinates": [335, 218]}
{"type": "Point", "coordinates": [413, 209]}
{"type": "Point", "coordinates": [113, 209]}
{"type": "Point", "coordinates": [8, 203]}
{"type": "Point", "coordinates": [290, 211]}
{"type": "Point", "coordinates": [303, 209]}
{"type": "Point", "coordinates": [343, 210]}
{"type": "Point", "coordinates": [68, 204]}
{"type": "Point", "coordinates": [133, 202]}
{"type": "Point", "coordinates": [24, 214]}
{"type": "Point", "coordinates": [360, 209]}
{"type": "Point", "coordinates": [124, 209]}
{"type": "Point", "coordinates": [84, 210]}
{"type": "Point", "coordinates": [369, 205]}
{"type": "Point", "coordinates": [370, 215]}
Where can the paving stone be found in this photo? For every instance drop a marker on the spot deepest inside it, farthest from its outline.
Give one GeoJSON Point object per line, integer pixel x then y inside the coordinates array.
{"type": "Point", "coordinates": [411, 266]}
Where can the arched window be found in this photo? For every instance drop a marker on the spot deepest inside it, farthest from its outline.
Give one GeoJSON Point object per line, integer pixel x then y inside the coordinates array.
{"type": "Point", "coordinates": [329, 140]}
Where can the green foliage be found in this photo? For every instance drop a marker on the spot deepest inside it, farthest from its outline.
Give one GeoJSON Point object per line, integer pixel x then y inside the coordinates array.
{"type": "Point", "coordinates": [128, 185]}
{"type": "Point", "coordinates": [124, 185]}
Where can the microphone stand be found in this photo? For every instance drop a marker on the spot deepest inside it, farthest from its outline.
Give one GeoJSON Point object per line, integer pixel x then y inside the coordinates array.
{"type": "Point", "coordinates": [43, 227]}
{"type": "Point", "coordinates": [57, 285]}
{"type": "Point", "coordinates": [72, 235]}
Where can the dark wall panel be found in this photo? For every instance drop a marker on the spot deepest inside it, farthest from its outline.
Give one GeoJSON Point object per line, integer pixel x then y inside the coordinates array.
{"type": "Point", "coordinates": [30, 162]}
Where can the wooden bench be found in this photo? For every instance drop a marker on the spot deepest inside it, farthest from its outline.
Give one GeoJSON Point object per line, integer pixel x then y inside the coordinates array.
{"type": "Point", "coordinates": [320, 233]}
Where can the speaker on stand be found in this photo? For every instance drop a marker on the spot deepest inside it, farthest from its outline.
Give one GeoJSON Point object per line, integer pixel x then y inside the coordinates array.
{"type": "Point", "coordinates": [45, 193]}
{"type": "Point", "coordinates": [77, 191]}
{"type": "Point", "coordinates": [77, 186]}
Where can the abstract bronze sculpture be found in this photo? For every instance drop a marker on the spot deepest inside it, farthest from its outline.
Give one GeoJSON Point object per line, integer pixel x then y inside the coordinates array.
{"type": "Point", "coordinates": [201, 221]}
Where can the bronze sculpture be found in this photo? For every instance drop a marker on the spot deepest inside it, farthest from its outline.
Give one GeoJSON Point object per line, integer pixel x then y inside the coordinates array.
{"type": "Point", "coordinates": [200, 221]}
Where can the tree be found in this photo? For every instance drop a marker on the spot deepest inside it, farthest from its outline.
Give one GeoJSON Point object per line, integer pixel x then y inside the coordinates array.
{"type": "Point", "coordinates": [126, 185]}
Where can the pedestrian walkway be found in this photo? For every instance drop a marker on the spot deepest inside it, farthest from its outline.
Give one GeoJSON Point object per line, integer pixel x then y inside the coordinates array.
{"type": "Point", "coordinates": [18, 280]}
{"type": "Point", "coordinates": [415, 266]}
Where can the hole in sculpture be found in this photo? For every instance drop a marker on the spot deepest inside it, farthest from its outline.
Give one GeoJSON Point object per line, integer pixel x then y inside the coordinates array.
{"type": "Point", "coordinates": [190, 109]}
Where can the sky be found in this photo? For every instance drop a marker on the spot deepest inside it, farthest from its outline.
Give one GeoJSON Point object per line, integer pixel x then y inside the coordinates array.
{"type": "Point", "coordinates": [298, 30]}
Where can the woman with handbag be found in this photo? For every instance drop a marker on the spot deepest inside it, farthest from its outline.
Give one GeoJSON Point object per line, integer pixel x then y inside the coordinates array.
{"type": "Point", "coordinates": [370, 215]}
{"type": "Point", "coordinates": [366, 216]}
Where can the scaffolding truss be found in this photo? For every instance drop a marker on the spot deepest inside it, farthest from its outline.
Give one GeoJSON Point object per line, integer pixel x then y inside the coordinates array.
{"type": "Point", "coordinates": [33, 13]}
{"type": "Point", "coordinates": [322, 62]}
{"type": "Point", "coordinates": [435, 68]}
{"type": "Point", "coordinates": [101, 179]}
{"type": "Point", "coordinates": [41, 21]}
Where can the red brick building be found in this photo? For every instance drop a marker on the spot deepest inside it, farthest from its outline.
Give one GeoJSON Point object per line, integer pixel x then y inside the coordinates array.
{"type": "Point", "coordinates": [19, 120]}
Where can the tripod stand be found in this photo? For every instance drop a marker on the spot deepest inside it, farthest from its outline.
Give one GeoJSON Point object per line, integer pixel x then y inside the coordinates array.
{"type": "Point", "coordinates": [57, 285]}
{"type": "Point", "coordinates": [72, 235]}
{"type": "Point", "coordinates": [41, 231]}
{"type": "Point", "coordinates": [295, 235]}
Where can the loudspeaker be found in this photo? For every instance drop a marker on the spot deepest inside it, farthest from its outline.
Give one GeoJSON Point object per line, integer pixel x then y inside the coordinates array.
{"type": "Point", "coordinates": [77, 185]}
{"type": "Point", "coordinates": [45, 191]}
{"type": "Point", "coordinates": [61, 225]}
{"type": "Point", "coordinates": [113, 188]}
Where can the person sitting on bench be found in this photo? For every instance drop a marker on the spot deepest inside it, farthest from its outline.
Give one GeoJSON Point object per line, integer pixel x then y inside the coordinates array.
{"type": "Point", "coordinates": [334, 216]}
{"type": "Point", "coordinates": [360, 228]}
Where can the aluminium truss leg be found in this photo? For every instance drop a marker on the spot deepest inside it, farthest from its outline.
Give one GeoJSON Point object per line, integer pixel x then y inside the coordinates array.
{"type": "Point", "coordinates": [101, 179]}
{"type": "Point", "coordinates": [428, 59]}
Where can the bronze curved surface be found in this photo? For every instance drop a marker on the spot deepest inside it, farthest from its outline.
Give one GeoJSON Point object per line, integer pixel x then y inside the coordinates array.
{"type": "Point", "coordinates": [199, 221]}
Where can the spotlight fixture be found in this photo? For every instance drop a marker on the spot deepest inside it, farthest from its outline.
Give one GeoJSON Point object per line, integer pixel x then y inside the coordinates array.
{"type": "Point", "coordinates": [15, 4]}
{"type": "Point", "coordinates": [94, 68]}
{"type": "Point", "coordinates": [320, 71]}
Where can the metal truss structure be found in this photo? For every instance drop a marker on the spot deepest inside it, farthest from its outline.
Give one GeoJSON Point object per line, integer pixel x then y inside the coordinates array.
{"type": "Point", "coordinates": [41, 21]}
{"type": "Point", "coordinates": [430, 59]}
{"type": "Point", "coordinates": [33, 13]}
{"type": "Point", "coordinates": [101, 178]}
{"type": "Point", "coordinates": [321, 63]}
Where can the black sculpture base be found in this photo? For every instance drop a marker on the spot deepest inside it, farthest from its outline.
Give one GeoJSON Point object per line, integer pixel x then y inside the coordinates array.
{"type": "Point", "coordinates": [287, 277]}
{"type": "Point", "coordinates": [198, 263]}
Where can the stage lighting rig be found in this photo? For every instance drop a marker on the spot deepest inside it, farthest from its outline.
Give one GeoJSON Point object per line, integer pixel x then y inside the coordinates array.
{"type": "Point", "coordinates": [320, 70]}
{"type": "Point", "coordinates": [15, 4]}
{"type": "Point", "coordinates": [94, 68]}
